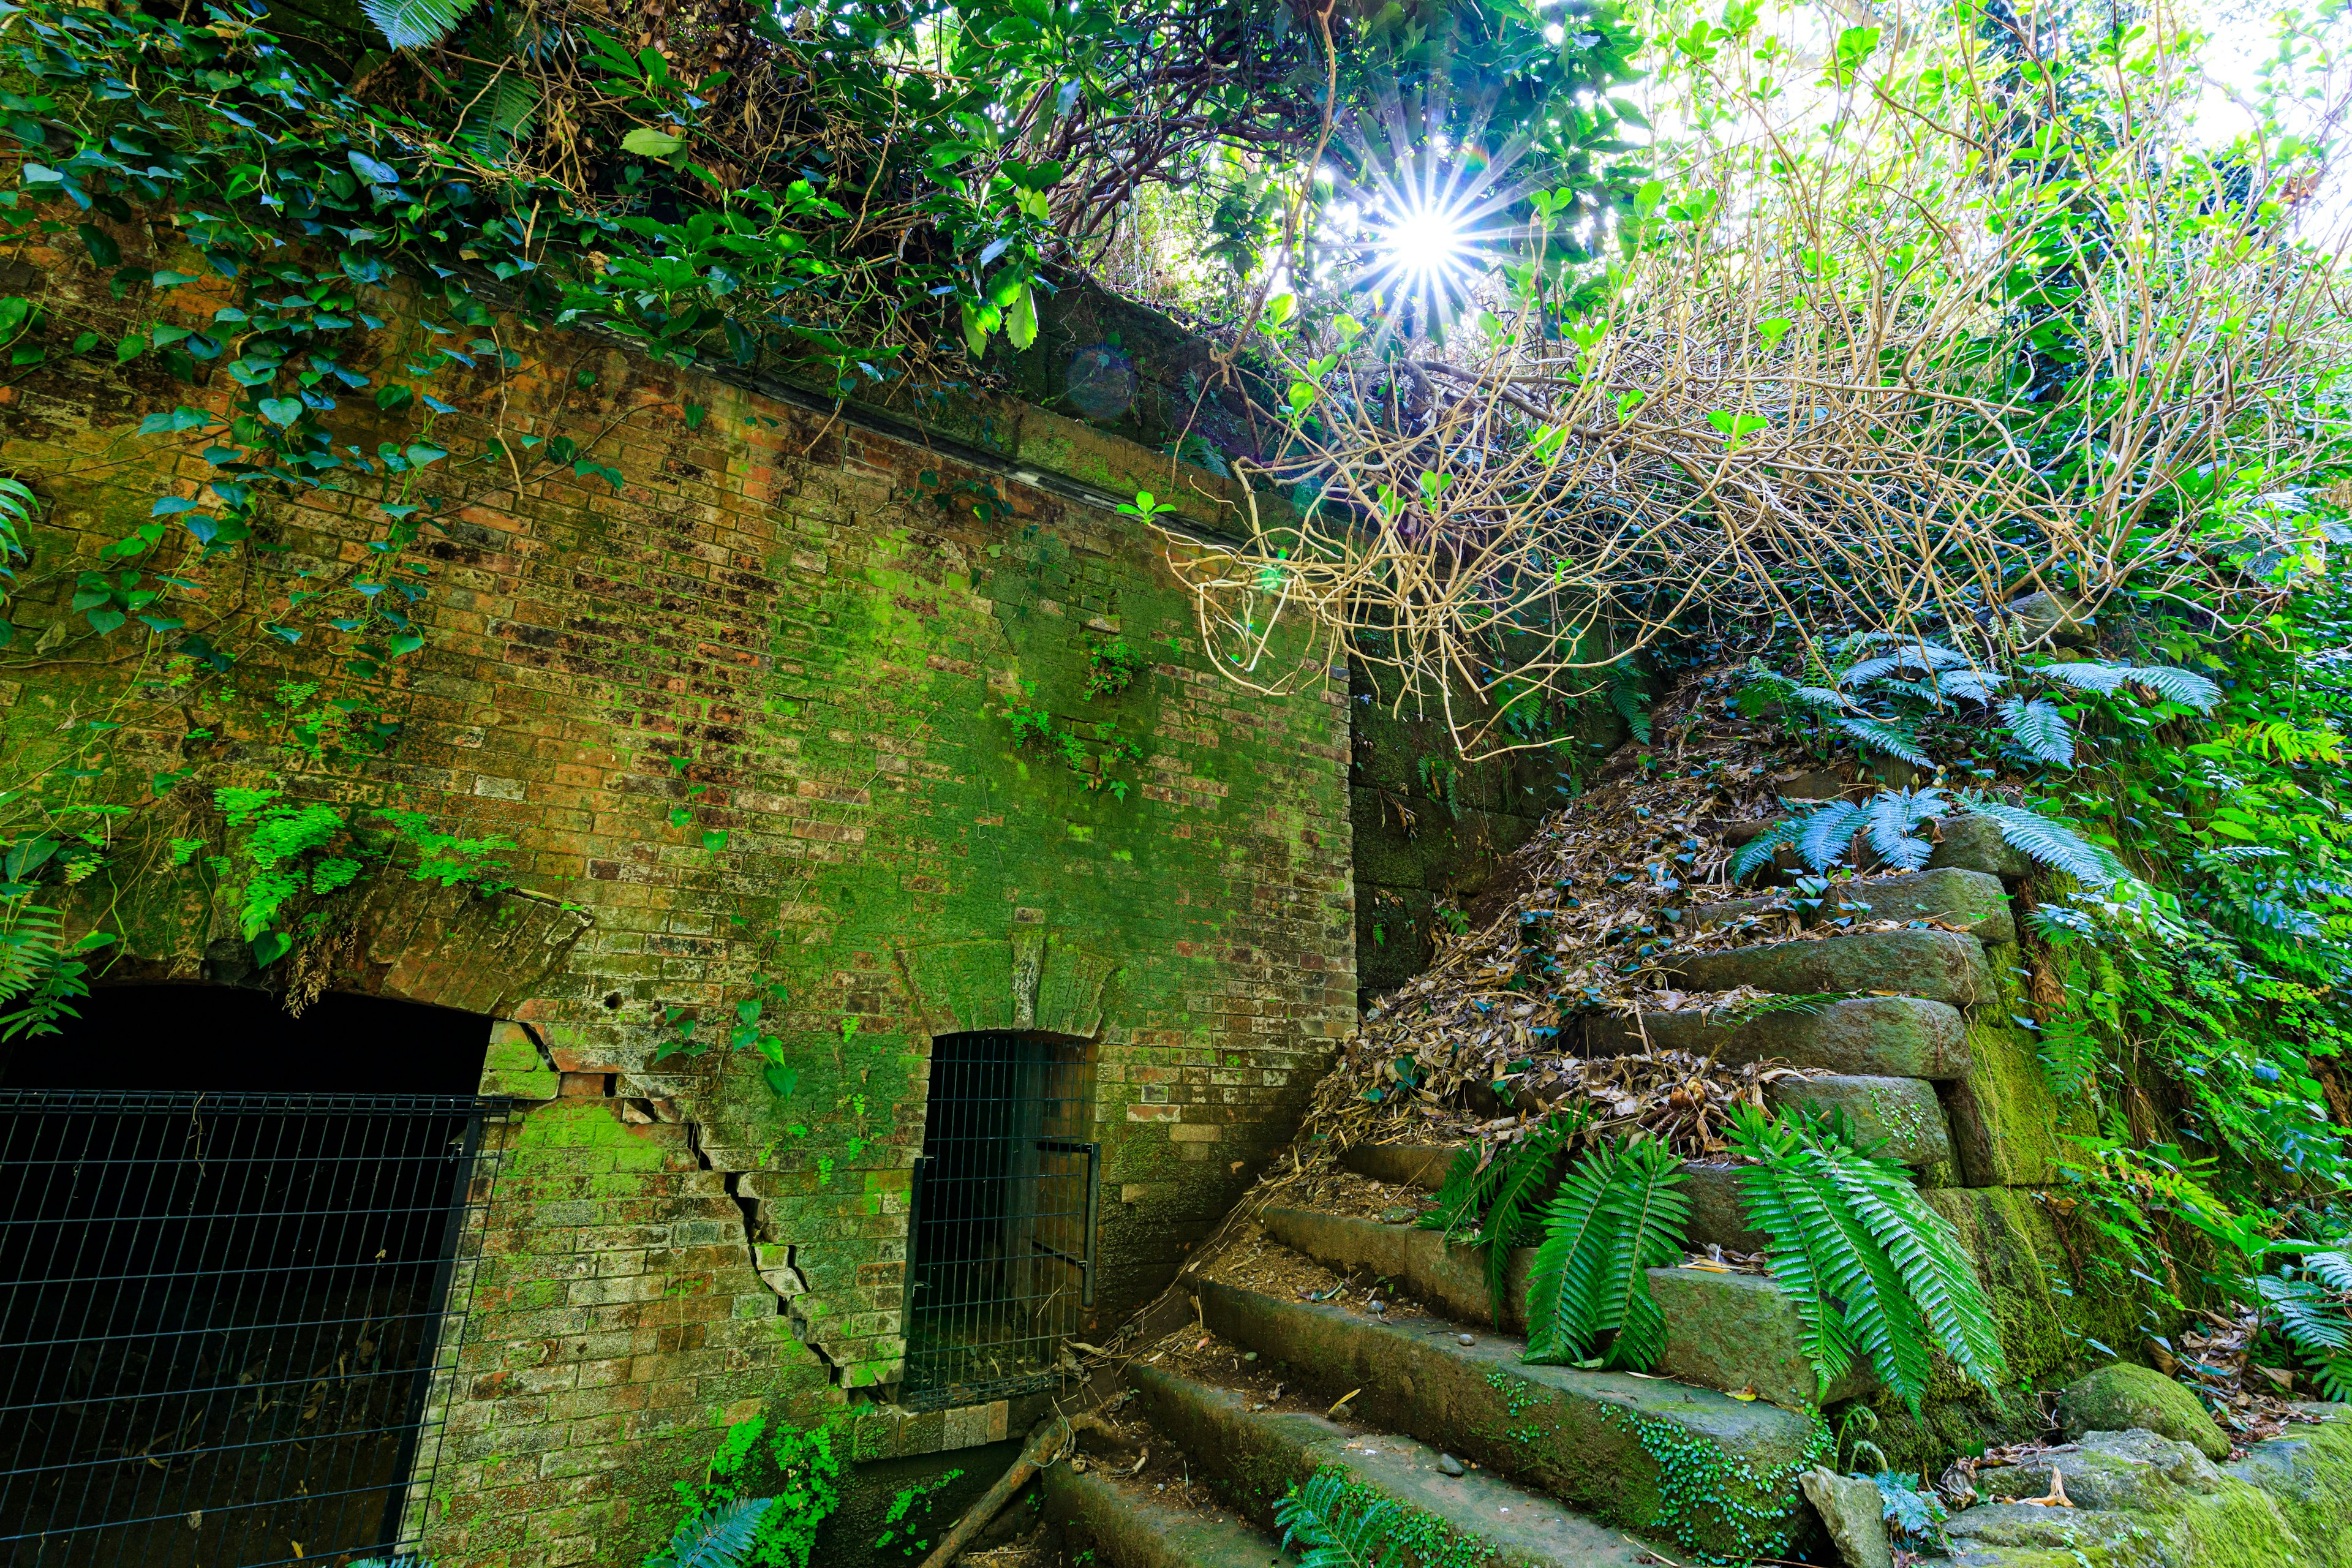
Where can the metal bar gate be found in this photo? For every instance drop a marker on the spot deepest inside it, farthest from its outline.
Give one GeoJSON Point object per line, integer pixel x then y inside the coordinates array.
{"type": "Point", "coordinates": [221, 1316]}
{"type": "Point", "coordinates": [1005, 1200]}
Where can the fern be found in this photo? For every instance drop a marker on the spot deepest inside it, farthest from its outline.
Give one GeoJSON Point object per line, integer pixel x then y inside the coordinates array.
{"type": "Point", "coordinates": [1615, 1217]}
{"type": "Point", "coordinates": [1974, 685]}
{"type": "Point", "coordinates": [2049, 842]}
{"type": "Point", "coordinates": [1829, 833]}
{"type": "Point", "coordinates": [1464, 1195]}
{"type": "Point", "coordinates": [2174, 684]}
{"type": "Point", "coordinates": [1627, 698]}
{"type": "Point", "coordinates": [1760, 850]}
{"type": "Point", "coordinates": [1508, 1219]}
{"type": "Point", "coordinates": [1881, 736]}
{"type": "Point", "coordinates": [1872, 1270]}
{"type": "Point", "coordinates": [718, 1537]}
{"type": "Point", "coordinates": [1335, 1526]}
{"type": "Point", "coordinates": [1894, 815]}
{"type": "Point", "coordinates": [2314, 1313]}
{"type": "Point", "coordinates": [2039, 729]}
{"type": "Point", "coordinates": [417, 24]}
{"type": "Point", "coordinates": [504, 109]}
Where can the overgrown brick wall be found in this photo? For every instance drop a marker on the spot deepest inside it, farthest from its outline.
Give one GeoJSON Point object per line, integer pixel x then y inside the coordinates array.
{"type": "Point", "coordinates": [747, 714]}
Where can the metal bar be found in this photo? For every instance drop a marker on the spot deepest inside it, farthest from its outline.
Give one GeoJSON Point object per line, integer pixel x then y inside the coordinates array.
{"type": "Point", "coordinates": [1094, 1214]}
{"type": "Point", "coordinates": [395, 1502]}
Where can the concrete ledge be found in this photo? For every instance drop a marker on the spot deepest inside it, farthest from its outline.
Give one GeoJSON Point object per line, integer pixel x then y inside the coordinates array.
{"type": "Point", "coordinates": [1476, 1517]}
{"type": "Point", "coordinates": [1727, 1331]}
{"type": "Point", "coordinates": [1593, 1439]}
{"type": "Point", "coordinates": [1126, 1527]}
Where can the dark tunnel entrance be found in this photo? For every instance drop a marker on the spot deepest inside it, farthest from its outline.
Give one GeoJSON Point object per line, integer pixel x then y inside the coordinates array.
{"type": "Point", "coordinates": [228, 1239]}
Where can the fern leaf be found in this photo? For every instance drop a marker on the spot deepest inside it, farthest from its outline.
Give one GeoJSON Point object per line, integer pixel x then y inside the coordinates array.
{"type": "Point", "coordinates": [1625, 696]}
{"type": "Point", "coordinates": [2039, 729]}
{"type": "Point", "coordinates": [1760, 850]}
{"type": "Point", "coordinates": [1931, 1267]}
{"type": "Point", "coordinates": [1562, 1305]}
{"type": "Point", "coordinates": [1336, 1529]}
{"type": "Point", "coordinates": [1461, 1197]}
{"type": "Point", "coordinates": [1972, 685]}
{"type": "Point", "coordinates": [1508, 1219]}
{"type": "Point", "coordinates": [504, 109]}
{"type": "Point", "coordinates": [16, 509]}
{"type": "Point", "coordinates": [417, 24]}
{"type": "Point", "coordinates": [1883, 737]}
{"type": "Point", "coordinates": [2169, 682]}
{"type": "Point", "coordinates": [2333, 1265]}
{"type": "Point", "coordinates": [1825, 838]}
{"type": "Point", "coordinates": [1648, 1221]}
{"type": "Point", "coordinates": [1893, 814]}
{"type": "Point", "coordinates": [1781, 1201]}
{"type": "Point", "coordinates": [718, 1537]}
{"type": "Point", "coordinates": [2050, 842]}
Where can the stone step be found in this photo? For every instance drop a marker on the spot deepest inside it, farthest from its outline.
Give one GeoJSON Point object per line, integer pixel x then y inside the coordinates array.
{"type": "Point", "coordinates": [1974, 902]}
{"type": "Point", "coordinates": [1902, 1113]}
{"type": "Point", "coordinates": [1255, 1456]}
{"type": "Point", "coordinates": [1712, 1188]}
{"type": "Point", "coordinates": [1893, 1036]}
{"type": "Point", "coordinates": [1724, 1330]}
{"type": "Point", "coordinates": [1939, 965]}
{"type": "Point", "coordinates": [1640, 1453]}
{"type": "Point", "coordinates": [1118, 1524]}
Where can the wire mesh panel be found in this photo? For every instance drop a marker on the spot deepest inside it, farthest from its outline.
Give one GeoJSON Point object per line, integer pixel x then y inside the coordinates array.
{"type": "Point", "coordinates": [219, 1319]}
{"type": "Point", "coordinates": [1005, 1194]}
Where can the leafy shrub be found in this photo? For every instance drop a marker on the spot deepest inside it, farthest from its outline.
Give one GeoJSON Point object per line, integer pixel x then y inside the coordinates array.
{"type": "Point", "coordinates": [1335, 1527]}
{"type": "Point", "coordinates": [1615, 1217]}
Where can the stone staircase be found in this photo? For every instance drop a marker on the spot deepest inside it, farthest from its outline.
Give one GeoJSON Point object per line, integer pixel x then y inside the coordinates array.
{"type": "Point", "coordinates": [1415, 1392]}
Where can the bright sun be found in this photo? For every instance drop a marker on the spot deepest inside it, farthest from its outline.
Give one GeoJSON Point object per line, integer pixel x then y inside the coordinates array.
{"type": "Point", "coordinates": [1425, 246]}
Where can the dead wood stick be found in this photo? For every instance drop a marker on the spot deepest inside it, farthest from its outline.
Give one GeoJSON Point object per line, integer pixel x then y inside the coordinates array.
{"type": "Point", "coordinates": [1048, 1441]}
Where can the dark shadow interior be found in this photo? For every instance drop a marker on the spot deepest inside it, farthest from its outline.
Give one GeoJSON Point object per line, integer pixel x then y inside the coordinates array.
{"type": "Point", "coordinates": [214, 1037]}
{"type": "Point", "coordinates": [226, 1244]}
{"type": "Point", "coordinates": [1004, 1213]}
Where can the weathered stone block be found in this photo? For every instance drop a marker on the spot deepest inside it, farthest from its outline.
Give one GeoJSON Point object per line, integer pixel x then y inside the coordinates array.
{"type": "Point", "coordinates": [1974, 844]}
{"type": "Point", "coordinates": [1901, 1112]}
{"type": "Point", "coordinates": [2125, 1396]}
{"type": "Point", "coordinates": [1896, 1036]}
{"type": "Point", "coordinates": [1941, 966]}
{"type": "Point", "coordinates": [1973, 901]}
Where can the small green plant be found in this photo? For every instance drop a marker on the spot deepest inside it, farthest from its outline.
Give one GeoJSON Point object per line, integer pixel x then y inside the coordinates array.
{"type": "Point", "coordinates": [1874, 1271]}
{"type": "Point", "coordinates": [1615, 1217]}
{"type": "Point", "coordinates": [1112, 667]}
{"type": "Point", "coordinates": [1034, 729]}
{"type": "Point", "coordinates": [44, 976]}
{"type": "Point", "coordinates": [1493, 1201]}
{"type": "Point", "coordinates": [907, 1522]}
{"type": "Point", "coordinates": [2309, 1302]}
{"type": "Point", "coordinates": [801, 1471]}
{"type": "Point", "coordinates": [723, 1535]}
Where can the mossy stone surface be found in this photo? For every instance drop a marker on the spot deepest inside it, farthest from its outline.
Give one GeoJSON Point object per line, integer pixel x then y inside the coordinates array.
{"type": "Point", "coordinates": [1896, 1036]}
{"type": "Point", "coordinates": [1901, 1113]}
{"type": "Point", "coordinates": [1942, 966]}
{"type": "Point", "coordinates": [2127, 1397]}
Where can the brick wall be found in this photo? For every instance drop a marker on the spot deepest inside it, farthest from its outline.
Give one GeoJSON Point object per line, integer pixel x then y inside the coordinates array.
{"type": "Point", "coordinates": [772, 632]}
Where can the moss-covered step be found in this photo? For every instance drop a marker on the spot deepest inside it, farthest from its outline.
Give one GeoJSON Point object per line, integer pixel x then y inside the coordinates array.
{"type": "Point", "coordinates": [1939, 965]}
{"type": "Point", "coordinates": [1902, 1113]}
{"type": "Point", "coordinates": [1121, 1525]}
{"type": "Point", "coordinates": [1891, 1037]}
{"type": "Point", "coordinates": [1644, 1454]}
{"type": "Point", "coordinates": [1711, 1187]}
{"type": "Point", "coordinates": [2144, 1502]}
{"type": "Point", "coordinates": [1444, 1522]}
{"type": "Point", "coordinates": [1974, 901]}
{"type": "Point", "coordinates": [1729, 1331]}
{"type": "Point", "coordinates": [1974, 844]}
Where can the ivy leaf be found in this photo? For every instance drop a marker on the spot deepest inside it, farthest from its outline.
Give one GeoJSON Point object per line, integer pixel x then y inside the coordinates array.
{"type": "Point", "coordinates": [1020, 320]}
{"type": "Point", "coordinates": [280, 410]}
{"type": "Point", "coordinates": [270, 946]}
{"type": "Point", "coordinates": [99, 244]}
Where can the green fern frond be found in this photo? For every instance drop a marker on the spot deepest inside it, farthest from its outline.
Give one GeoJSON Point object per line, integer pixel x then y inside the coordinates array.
{"type": "Point", "coordinates": [1883, 737]}
{"type": "Point", "coordinates": [1972, 685]}
{"type": "Point", "coordinates": [1337, 1530]}
{"type": "Point", "coordinates": [1760, 850]}
{"type": "Point", "coordinates": [417, 24]}
{"type": "Point", "coordinates": [1615, 1217]}
{"type": "Point", "coordinates": [1627, 698]}
{"type": "Point", "coordinates": [2049, 842]}
{"type": "Point", "coordinates": [1509, 1216]}
{"type": "Point", "coordinates": [1872, 1270]}
{"type": "Point", "coordinates": [718, 1537]}
{"type": "Point", "coordinates": [2039, 729]}
{"type": "Point", "coordinates": [503, 112]}
{"type": "Point", "coordinates": [2174, 684]}
{"type": "Point", "coordinates": [1468, 1187]}
{"type": "Point", "coordinates": [1829, 833]}
{"type": "Point", "coordinates": [2331, 1265]}
{"type": "Point", "coordinates": [1893, 815]}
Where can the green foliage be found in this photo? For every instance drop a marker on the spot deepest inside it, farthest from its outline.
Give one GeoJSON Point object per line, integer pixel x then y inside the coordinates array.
{"type": "Point", "coordinates": [1915, 1515]}
{"type": "Point", "coordinates": [1036, 729]}
{"type": "Point", "coordinates": [907, 1522]}
{"type": "Point", "coordinates": [797, 1470]}
{"type": "Point", "coordinates": [722, 1535]}
{"type": "Point", "coordinates": [40, 975]}
{"type": "Point", "coordinates": [1332, 1529]}
{"type": "Point", "coordinates": [1112, 667]}
{"type": "Point", "coordinates": [1615, 1215]}
{"type": "Point", "coordinates": [1874, 1271]}
{"type": "Point", "coordinates": [1703, 1489]}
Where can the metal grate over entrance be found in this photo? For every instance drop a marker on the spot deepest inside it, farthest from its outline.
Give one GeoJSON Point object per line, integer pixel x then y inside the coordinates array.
{"type": "Point", "coordinates": [220, 1319]}
{"type": "Point", "coordinates": [1004, 1202]}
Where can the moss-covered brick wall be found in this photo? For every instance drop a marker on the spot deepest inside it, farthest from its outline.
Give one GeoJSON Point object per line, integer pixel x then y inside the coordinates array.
{"type": "Point", "coordinates": [746, 718]}
{"type": "Point", "coordinates": [1430, 829]}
